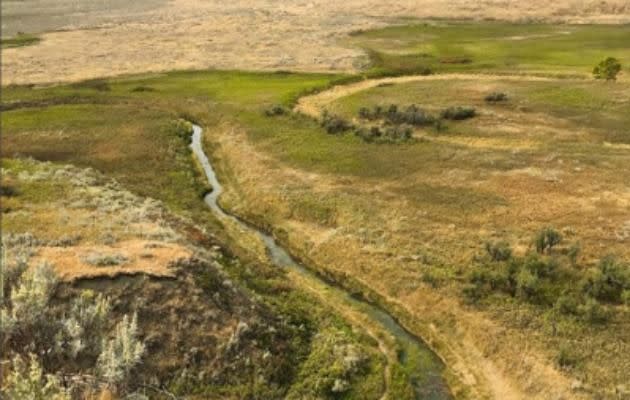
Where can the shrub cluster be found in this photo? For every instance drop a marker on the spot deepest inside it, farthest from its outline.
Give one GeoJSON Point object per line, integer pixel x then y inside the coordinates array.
{"type": "Point", "coordinates": [76, 339]}
{"type": "Point", "coordinates": [335, 125]}
{"type": "Point", "coordinates": [549, 280]}
{"type": "Point", "coordinates": [546, 239]}
{"type": "Point", "coordinates": [391, 134]}
{"type": "Point", "coordinates": [496, 97]}
{"type": "Point", "coordinates": [275, 110]}
{"type": "Point", "coordinates": [411, 115]}
{"type": "Point", "coordinates": [100, 85]}
{"type": "Point", "coordinates": [105, 260]}
{"type": "Point", "coordinates": [182, 129]}
{"type": "Point", "coordinates": [458, 113]}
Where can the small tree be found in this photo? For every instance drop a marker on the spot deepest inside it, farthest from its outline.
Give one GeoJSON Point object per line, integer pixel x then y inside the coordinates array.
{"type": "Point", "coordinates": [547, 239]}
{"type": "Point", "coordinates": [607, 69]}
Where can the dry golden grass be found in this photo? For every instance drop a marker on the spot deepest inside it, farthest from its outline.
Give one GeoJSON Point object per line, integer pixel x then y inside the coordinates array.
{"type": "Point", "coordinates": [142, 257]}
{"type": "Point", "coordinates": [79, 222]}
{"type": "Point", "coordinates": [388, 233]}
{"type": "Point", "coordinates": [245, 34]}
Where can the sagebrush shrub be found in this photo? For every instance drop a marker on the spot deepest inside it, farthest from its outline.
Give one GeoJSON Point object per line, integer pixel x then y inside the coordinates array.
{"type": "Point", "coordinates": [458, 113]}
{"type": "Point", "coordinates": [27, 381]}
{"type": "Point", "coordinates": [85, 324]}
{"type": "Point", "coordinates": [593, 312]}
{"type": "Point", "coordinates": [499, 251]}
{"type": "Point", "coordinates": [607, 69]}
{"type": "Point", "coordinates": [496, 97]}
{"type": "Point", "coordinates": [335, 125]}
{"type": "Point", "coordinates": [608, 281]}
{"type": "Point", "coordinates": [275, 110]}
{"type": "Point", "coordinates": [105, 260]}
{"type": "Point", "coordinates": [121, 353]}
{"type": "Point", "coordinates": [29, 299]}
{"type": "Point", "coordinates": [546, 239]}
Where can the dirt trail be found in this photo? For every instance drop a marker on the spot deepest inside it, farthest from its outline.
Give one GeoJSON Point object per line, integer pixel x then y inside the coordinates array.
{"type": "Point", "coordinates": [314, 105]}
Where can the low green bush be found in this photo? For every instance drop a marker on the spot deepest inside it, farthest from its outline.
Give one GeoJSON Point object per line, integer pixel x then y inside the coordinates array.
{"type": "Point", "coordinates": [499, 251]}
{"type": "Point", "coordinates": [567, 304]}
{"type": "Point", "coordinates": [392, 134]}
{"type": "Point", "coordinates": [608, 281]}
{"type": "Point", "coordinates": [275, 110]}
{"type": "Point", "coordinates": [496, 97]}
{"type": "Point", "coordinates": [100, 85]}
{"type": "Point", "coordinates": [412, 115]}
{"type": "Point", "coordinates": [335, 125]}
{"type": "Point", "coordinates": [458, 113]}
{"type": "Point", "coordinates": [566, 357]}
{"type": "Point", "coordinates": [546, 239]}
{"type": "Point", "coordinates": [593, 312]}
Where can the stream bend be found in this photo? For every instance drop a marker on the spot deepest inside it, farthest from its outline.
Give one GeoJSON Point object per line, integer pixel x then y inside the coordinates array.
{"type": "Point", "coordinates": [424, 369]}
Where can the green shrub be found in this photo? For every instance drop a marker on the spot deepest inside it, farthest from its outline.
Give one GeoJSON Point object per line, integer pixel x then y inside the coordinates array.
{"type": "Point", "coordinates": [121, 353]}
{"type": "Point", "coordinates": [527, 284]}
{"type": "Point", "coordinates": [546, 239]}
{"type": "Point", "coordinates": [398, 133]}
{"type": "Point", "coordinates": [566, 357]}
{"type": "Point", "coordinates": [473, 293]}
{"type": "Point", "coordinates": [369, 134]}
{"type": "Point", "coordinates": [139, 89]}
{"type": "Point", "coordinates": [83, 328]}
{"type": "Point", "coordinates": [29, 299]}
{"type": "Point", "coordinates": [182, 129]}
{"type": "Point", "coordinates": [275, 110]}
{"type": "Point", "coordinates": [28, 381]}
{"type": "Point", "coordinates": [100, 85]}
{"type": "Point", "coordinates": [573, 252]}
{"type": "Point", "coordinates": [567, 304]}
{"type": "Point", "coordinates": [456, 60]}
{"type": "Point", "coordinates": [593, 312]}
{"type": "Point", "coordinates": [607, 69]}
{"type": "Point", "coordinates": [335, 125]}
{"type": "Point", "coordinates": [496, 97]}
{"type": "Point", "coordinates": [105, 260]}
{"type": "Point", "coordinates": [458, 113]}
{"type": "Point", "coordinates": [608, 281]}
{"type": "Point", "coordinates": [542, 268]}
{"type": "Point", "coordinates": [499, 251]}
{"type": "Point", "coordinates": [412, 115]}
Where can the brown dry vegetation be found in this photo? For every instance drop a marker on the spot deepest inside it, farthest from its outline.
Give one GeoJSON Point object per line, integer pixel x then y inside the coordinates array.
{"type": "Point", "coordinates": [247, 34]}
{"type": "Point", "coordinates": [406, 235]}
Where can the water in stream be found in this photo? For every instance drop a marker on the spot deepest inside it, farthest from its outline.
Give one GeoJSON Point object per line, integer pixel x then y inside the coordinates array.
{"type": "Point", "coordinates": [421, 365]}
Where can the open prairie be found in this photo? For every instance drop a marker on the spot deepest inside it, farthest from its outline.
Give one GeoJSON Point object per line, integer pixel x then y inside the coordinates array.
{"type": "Point", "coordinates": [151, 35]}
{"type": "Point", "coordinates": [425, 200]}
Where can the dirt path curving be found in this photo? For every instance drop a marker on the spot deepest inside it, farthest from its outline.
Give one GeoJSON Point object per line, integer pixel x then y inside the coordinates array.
{"type": "Point", "coordinates": [315, 104]}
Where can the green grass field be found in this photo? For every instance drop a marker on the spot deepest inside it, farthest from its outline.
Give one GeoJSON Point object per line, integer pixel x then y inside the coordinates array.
{"type": "Point", "coordinates": [492, 47]}
{"type": "Point", "coordinates": [20, 40]}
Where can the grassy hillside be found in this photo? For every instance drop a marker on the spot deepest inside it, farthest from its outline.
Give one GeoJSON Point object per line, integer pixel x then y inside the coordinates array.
{"type": "Point", "coordinates": [244, 330]}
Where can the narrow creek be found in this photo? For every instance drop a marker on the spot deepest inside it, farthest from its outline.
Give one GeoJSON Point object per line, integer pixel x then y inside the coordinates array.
{"type": "Point", "coordinates": [421, 366]}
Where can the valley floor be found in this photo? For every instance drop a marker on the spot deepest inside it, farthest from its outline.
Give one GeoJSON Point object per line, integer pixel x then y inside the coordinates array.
{"type": "Point", "coordinates": [499, 235]}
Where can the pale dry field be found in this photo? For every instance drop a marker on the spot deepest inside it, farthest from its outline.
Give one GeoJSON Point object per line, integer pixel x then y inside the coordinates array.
{"type": "Point", "coordinates": [88, 41]}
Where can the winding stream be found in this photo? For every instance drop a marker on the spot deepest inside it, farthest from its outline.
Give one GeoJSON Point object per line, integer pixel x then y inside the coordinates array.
{"type": "Point", "coordinates": [421, 366]}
